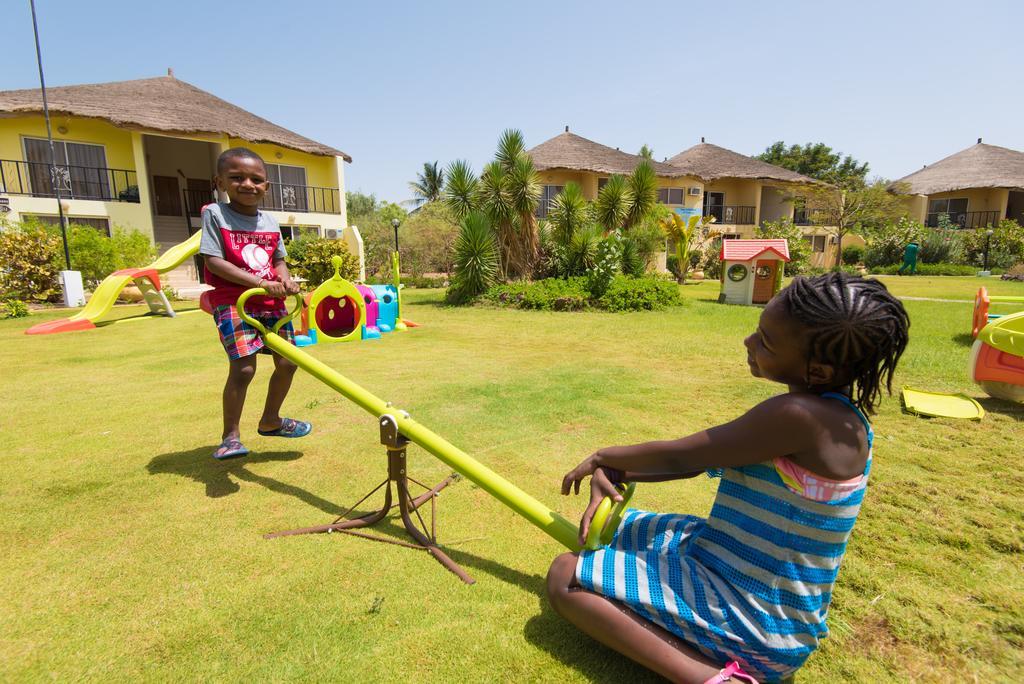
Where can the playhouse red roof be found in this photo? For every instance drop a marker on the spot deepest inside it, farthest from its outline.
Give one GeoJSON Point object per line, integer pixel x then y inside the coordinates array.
{"type": "Point", "coordinates": [747, 250]}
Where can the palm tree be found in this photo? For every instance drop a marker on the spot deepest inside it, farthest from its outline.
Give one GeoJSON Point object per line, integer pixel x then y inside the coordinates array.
{"type": "Point", "coordinates": [522, 190]}
{"type": "Point", "coordinates": [613, 203]}
{"type": "Point", "coordinates": [643, 193]}
{"type": "Point", "coordinates": [428, 185]}
{"type": "Point", "coordinates": [461, 189]}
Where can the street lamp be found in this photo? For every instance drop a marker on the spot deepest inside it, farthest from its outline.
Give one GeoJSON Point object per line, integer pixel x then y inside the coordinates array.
{"type": "Point", "coordinates": [395, 223]}
{"type": "Point", "coordinates": [988, 238]}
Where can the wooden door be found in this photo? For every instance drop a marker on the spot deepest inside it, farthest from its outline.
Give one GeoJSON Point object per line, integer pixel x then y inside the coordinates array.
{"type": "Point", "coordinates": [168, 199]}
{"type": "Point", "coordinates": [765, 271]}
{"type": "Point", "coordinates": [198, 194]}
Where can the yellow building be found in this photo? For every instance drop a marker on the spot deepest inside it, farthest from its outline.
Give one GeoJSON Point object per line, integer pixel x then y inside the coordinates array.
{"type": "Point", "coordinates": [739, 191]}
{"type": "Point", "coordinates": [141, 155]}
{"type": "Point", "coordinates": [974, 188]}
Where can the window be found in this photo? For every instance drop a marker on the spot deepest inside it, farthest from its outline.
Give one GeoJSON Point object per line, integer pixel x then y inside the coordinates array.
{"type": "Point", "coordinates": [81, 169]}
{"type": "Point", "coordinates": [670, 195]}
{"type": "Point", "coordinates": [601, 182]}
{"type": "Point", "coordinates": [730, 236]}
{"type": "Point", "coordinates": [547, 193]}
{"type": "Point", "coordinates": [713, 204]}
{"type": "Point", "coordinates": [817, 242]}
{"type": "Point", "coordinates": [100, 224]}
{"type": "Point", "coordinates": [955, 210]}
{"type": "Point", "coordinates": [292, 232]}
{"type": "Point", "coordinates": [287, 188]}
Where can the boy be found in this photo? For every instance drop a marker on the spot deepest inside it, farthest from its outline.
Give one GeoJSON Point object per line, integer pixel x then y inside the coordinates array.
{"type": "Point", "coordinates": [242, 249]}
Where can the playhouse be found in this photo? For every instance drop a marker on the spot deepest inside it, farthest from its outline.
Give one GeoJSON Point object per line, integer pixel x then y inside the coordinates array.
{"type": "Point", "coordinates": [752, 270]}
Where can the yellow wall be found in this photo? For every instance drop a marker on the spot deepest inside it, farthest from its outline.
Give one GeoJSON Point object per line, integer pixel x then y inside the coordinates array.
{"type": "Point", "coordinates": [321, 172]}
{"type": "Point", "coordinates": [978, 199]}
{"type": "Point", "coordinates": [116, 142]}
{"type": "Point", "coordinates": [587, 180]}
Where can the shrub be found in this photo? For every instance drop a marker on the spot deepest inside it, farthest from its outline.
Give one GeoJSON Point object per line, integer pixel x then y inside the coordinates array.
{"type": "Point", "coordinates": [31, 258]}
{"type": "Point", "coordinates": [97, 256]}
{"type": "Point", "coordinates": [639, 294]}
{"type": "Point", "coordinates": [886, 245]}
{"type": "Point", "coordinates": [942, 246]}
{"type": "Point", "coordinates": [550, 294]}
{"type": "Point", "coordinates": [420, 281]}
{"type": "Point", "coordinates": [13, 308]}
{"type": "Point", "coordinates": [427, 240]}
{"type": "Point", "coordinates": [606, 264]}
{"type": "Point", "coordinates": [310, 258]}
{"type": "Point", "coordinates": [476, 259]}
{"type": "Point", "coordinates": [1005, 246]}
{"type": "Point", "coordinates": [853, 254]}
{"type": "Point", "coordinates": [799, 249]}
{"type": "Point", "coordinates": [928, 269]}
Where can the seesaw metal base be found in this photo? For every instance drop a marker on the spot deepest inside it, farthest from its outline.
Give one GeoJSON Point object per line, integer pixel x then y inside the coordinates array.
{"type": "Point", "coordinates": [408, 506]}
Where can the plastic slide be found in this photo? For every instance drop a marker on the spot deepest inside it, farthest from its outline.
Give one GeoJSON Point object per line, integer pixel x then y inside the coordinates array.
{"type": "Point", "coordinates": [555, 525]}
{"type": "Point", "coordinates": [147, 279]}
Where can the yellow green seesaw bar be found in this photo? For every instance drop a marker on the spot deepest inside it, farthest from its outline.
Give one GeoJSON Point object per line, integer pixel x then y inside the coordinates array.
{"type": "Point", "coordinates": [605, 521]}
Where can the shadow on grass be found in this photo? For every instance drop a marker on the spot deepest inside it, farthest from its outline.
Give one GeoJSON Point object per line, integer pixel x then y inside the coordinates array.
{"type": "Point", "coordinates": [219, 477]}
{"type": "Point", "coordinates": [1010, 409]}
{"type": "Point", "coordinates": [963, 339]}
{"type": "Point", "coordinates": [564, 642]}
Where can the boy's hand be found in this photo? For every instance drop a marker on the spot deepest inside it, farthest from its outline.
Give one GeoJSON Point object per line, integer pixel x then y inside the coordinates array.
{"type": "Point", "coordinates": [290, 286]}
{"type": "Point", "coordinates": [275, 289]}
{"type": "Point", "coordinates": [576, 476]}
{"type": "Point", "coordinates": [602, 484]}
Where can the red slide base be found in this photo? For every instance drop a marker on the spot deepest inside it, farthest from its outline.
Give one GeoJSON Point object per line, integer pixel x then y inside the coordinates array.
{"type": "Point", "coordinates": [59, 326]}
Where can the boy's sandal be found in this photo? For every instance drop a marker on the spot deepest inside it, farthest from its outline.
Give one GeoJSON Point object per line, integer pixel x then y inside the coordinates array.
{"type": "Point", "coordinates": [731, 672]}
{"type": "Point", "coordinates": [229, 448]}
{"type": "Point", "coordinates": [289, 428]}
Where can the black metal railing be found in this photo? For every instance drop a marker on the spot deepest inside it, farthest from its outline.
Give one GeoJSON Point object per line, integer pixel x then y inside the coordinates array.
{"type": "Point", "coordinates": [302, 198]}
{"type": "Point", "coordinates": [732, 214]}
{"type": "Point", "coordinates": [964, 219]}
{"type": "Point", "coordinates": [804, 216]}
{"type": "Point", "coordinates": [195, 200]}
{"type": "Point", "coordinates": [74, 182]}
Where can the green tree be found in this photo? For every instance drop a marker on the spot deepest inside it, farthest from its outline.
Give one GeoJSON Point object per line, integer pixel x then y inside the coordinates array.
{"type": "Point", "coordinates": [428, 184]}
{"type": "Point", "coordinates": [646, 152]}
{"type": "Point", "coordinates": [389, 210]}
{"type": "Point", "coordinates": [799, 249]}
{"type": "Point", "coordinates": [861, 210]}
{"type": "Point", "coordinates": [461, 189]}
{"type": "Point", "coordinates": [689, 236]}
{"type": "Point", "coordinates": [643, 194]}
{"type": "Point", "coordinates": [358, 204]}
{"type": "Point", "coordinates": [817, 160]}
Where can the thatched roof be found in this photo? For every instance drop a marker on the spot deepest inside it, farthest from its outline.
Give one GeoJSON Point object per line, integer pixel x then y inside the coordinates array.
{"type": "Point", "coordinates": [159, 104]}
{"type": "Point", "coordinates": [979, 166]}
{"type": "Point", "coordinates": [575, 153]}
{"type": "Point", "coordinates": [710, 162]}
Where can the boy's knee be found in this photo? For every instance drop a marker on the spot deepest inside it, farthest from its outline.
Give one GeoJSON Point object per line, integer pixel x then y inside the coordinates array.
{"type": "Point", "coordinates": [242, 370]}
{"type": "Point", "coordinates": [284, 365]}
{"type": "Point", "coordinates": [560, 578]}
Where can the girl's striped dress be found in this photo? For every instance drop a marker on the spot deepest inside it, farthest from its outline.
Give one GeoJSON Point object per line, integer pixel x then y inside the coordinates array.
{"type": "Point", "coordinates": [754, 580]}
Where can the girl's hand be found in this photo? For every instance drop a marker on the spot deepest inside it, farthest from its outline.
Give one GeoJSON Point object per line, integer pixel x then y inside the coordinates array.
{"type": "Point", "coordinates": [575, 476]}
{"type": "Point", "coordinates": [602, 484]}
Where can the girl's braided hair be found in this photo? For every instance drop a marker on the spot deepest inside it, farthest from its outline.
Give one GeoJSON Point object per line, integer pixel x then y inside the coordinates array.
{"type": "Point", "coordinates": [855, 325]}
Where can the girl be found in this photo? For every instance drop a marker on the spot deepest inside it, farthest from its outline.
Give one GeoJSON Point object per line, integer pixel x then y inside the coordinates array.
{"type": "Point", "coordinates": [748, 588]}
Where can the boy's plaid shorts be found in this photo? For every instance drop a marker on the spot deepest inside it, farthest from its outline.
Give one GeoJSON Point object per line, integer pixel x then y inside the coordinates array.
{"type": "Point", "coordinates": [241, 339]}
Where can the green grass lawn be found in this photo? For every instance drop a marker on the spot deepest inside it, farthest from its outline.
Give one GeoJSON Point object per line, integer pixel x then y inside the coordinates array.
{"type": "Point", "coordinates": [128, 553]}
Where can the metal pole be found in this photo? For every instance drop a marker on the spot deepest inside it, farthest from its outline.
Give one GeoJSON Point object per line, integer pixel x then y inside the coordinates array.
{"type": "Point", "coordinates": [49, 136]}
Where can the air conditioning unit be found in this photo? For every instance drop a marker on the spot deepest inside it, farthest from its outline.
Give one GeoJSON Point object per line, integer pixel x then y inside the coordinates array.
{"type": "Point", "coordinates": [693, 191]}
{"type": "Point", "coordinates": [332, 233]}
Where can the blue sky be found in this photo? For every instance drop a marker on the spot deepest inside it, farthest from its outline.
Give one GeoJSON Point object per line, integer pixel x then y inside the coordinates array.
{"type": "Point", "coordinates": [896, 84]}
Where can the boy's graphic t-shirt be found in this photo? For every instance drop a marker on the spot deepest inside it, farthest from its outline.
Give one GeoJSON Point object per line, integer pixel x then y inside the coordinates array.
{"type": "Point", "coordinates": [252, 243]}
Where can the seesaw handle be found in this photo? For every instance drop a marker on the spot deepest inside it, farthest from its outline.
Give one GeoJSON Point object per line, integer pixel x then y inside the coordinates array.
{"type": "Point", "coordinates": [606, 518]}
{"type": "Point", "coordinates": [244, 297]}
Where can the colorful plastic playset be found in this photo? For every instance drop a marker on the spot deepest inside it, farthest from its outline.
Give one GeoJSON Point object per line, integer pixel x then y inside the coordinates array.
{"type": "Point", "coordinates": [997, 356]}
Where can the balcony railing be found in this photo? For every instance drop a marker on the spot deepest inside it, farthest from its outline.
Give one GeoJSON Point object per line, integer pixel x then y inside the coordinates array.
{"type": "Point", "coordinates": [731, 214]}
{"type": "Point", "coordinates": [195, 200]}
{"type": "Point", "coordinates": [74, 182]}
{"type": "Point", "coordinates": [802, 216]}
{"type": "Point", "coordinates": [302, 198]}
{"type": "Point", "coordinates": [964, 219]}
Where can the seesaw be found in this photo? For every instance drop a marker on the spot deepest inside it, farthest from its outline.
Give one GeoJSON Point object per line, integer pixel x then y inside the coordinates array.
{"type": "Point", "coordinates": [397, 429]}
